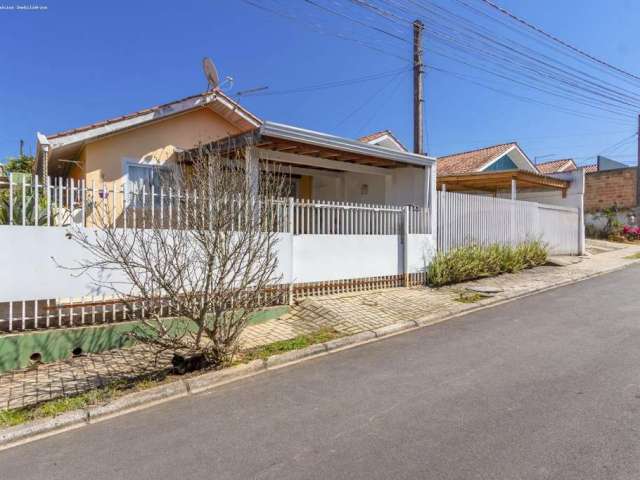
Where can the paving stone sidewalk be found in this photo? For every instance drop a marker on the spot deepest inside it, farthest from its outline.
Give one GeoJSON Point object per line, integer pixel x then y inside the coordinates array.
{"type": "Point", "coordinates": [348, 313]}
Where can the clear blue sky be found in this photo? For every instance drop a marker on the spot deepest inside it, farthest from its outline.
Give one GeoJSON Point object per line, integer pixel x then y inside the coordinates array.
{"type": "Point", "coordinates": [80, 62]}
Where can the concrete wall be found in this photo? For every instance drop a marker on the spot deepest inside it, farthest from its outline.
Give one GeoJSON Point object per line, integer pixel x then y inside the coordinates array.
{"type": "Point", "coordinates": [33, 257]}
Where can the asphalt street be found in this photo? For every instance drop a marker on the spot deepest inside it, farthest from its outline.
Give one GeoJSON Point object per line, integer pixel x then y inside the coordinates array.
{"type": "Point", "coordinates": [546, 387]}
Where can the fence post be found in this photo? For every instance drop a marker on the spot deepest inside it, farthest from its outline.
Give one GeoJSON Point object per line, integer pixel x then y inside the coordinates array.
{"type": "Point", "coordinates": [290, 228]}
{"type": "Point", "coordinates": [405, 243]}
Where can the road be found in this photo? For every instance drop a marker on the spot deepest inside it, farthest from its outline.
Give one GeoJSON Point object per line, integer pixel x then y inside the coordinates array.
{"type": "Point", "coordinates": [547, 387]}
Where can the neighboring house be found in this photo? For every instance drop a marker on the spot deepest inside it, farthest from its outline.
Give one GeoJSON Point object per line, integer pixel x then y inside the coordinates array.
{"type": "Point", "coordinates": [557, 166]}
{"type": "Point", "coordinates": [568, 165]}
{"type": "Point", "coordinates": [135, 148]}
{"type": "Point", "coordinates": [383, 138]}
{"type": "Point", "coordinates": [498, 170]}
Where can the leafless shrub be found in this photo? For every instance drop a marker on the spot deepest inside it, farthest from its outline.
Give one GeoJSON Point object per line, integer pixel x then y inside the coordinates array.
{"type": "Point", "coordinates": [198, 256]}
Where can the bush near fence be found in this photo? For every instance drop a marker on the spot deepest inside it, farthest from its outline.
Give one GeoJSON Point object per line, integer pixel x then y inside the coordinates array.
{"type": "Point", "coordinates": [477, 261]}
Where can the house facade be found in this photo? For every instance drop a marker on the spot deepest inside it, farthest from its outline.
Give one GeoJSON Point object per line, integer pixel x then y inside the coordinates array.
{"type": "Point", "coordinates": [135, 148]}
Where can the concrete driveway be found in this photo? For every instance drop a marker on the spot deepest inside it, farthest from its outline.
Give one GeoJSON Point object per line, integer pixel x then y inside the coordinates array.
{"type": "Point", "coordinates": [547, 387]}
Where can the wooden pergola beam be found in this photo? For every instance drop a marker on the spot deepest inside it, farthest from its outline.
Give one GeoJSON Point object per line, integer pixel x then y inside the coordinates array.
{"type": "Point", "coordinates": [502, 180]}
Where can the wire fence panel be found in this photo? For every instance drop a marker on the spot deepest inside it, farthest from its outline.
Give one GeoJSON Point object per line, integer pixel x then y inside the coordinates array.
{"type": "Point", "coordinates": [465, 219]}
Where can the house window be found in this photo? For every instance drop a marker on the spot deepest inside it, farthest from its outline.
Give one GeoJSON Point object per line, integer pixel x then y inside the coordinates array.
{"type": "Point", "coordinates": [142, 178]}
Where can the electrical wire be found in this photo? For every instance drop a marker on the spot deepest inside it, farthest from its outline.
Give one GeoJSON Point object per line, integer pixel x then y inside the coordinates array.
{"type": "Point", "coordinates": [329, 85]}
{"type": "Point", "coordinates": [522, 21]}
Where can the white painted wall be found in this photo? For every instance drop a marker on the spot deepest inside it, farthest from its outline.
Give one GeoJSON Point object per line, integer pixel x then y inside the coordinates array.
{"type": "Point", "coordinates": [30, 272]}
{"type": "Point", "coordinates": [333, 257]}
{"type": "Point", "coordinates": [405, 186]}
{"type": "Point", "coordinates": [421, 250]}
{"type": "Point", "coordinates": [33, 258]}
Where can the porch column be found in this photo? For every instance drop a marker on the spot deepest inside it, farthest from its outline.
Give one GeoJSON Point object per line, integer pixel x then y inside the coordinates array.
{"type": "Point", "coordinates": [252, 171]}
{"type": "Point", "coordinates": [388, 186]}
{"type": "Point", "coordinates": [512, 212]}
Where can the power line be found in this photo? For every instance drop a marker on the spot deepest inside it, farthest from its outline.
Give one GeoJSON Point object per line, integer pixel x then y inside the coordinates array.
{"type": "Point", "coordinates": [582, 88]}
{"type": "Point", "coordinates": [506, 12]}
{"type": "Point", "coordinates": [359, 22]}
{"type": "Point", "coordinates": [318, 28]}
{"type": "Point", "coordinates": [370, 99]}
{"type": "Point", "coordinates": [329, 85]}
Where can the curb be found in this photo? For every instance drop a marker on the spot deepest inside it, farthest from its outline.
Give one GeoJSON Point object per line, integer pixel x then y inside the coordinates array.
{"type": "Point", "coordinates": [28, 432]}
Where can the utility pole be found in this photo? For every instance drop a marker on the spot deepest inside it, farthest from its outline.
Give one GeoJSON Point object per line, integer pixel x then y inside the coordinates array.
{"type": "Point", "coordinates": [418, 90]}
{"type": "Point", "coordinates": [21, 147]}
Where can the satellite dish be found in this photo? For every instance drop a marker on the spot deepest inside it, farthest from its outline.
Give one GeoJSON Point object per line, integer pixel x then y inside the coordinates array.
{"type": "Point", "coordinates": [210, 73]}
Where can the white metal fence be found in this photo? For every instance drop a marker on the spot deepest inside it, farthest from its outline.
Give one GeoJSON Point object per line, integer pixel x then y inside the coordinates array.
{"type": "Point", "coordinates": [465, 219]}
{"type": "Point", "coordinates": [28, 201]}
{"type": "Point", "coordinates": [324, 247]}
{"type": "Point", "coordinates": [314, 217]}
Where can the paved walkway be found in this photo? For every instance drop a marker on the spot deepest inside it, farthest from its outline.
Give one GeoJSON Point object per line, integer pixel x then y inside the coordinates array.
{"type": "Point", "coordinates": [348, 313]}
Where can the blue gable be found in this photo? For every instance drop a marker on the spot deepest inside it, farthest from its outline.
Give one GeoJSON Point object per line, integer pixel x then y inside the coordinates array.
{"type": "Point", "coordinates": [503, 163]}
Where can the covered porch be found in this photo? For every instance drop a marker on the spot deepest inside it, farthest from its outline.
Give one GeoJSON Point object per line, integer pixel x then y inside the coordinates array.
{"type": "Point", "coordinates": [513, 184]}
{"type": "Point", "coordinates": [328, 168]}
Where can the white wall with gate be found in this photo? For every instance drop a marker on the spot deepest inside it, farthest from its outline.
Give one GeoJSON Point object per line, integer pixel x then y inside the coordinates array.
{"type": "Point", "coordinates": [465, 219]}
{"type": "Point", "coordinates": [321, 245]}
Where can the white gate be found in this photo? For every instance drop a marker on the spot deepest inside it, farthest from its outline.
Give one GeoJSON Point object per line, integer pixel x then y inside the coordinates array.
{"type": "Point", "coordinates": [465, 219]}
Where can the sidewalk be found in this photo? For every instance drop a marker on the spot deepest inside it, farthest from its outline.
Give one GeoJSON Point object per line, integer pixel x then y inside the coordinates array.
{"type": "Point", "coordinates": [347, 313]}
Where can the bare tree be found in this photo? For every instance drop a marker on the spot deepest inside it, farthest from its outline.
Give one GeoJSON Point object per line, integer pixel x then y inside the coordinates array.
{"type": "Point", "coordinates": [198, 256]}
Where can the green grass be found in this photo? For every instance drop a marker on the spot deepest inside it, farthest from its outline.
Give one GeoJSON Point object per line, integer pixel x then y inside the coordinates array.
{"type": "Point", "coordinates": [301, 341]}
{"type": "Point", "coordinates": [469, 297]}
{"type": "Point", "coordinates": [635, 256]}
{"type": "Point", "coordinates": [97, 396]}
{"type": "Point", "coordinates": [53, 408]}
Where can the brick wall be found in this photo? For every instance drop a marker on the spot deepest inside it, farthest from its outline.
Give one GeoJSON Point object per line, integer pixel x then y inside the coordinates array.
{"type": "Point", "coordinates": [610, 187]}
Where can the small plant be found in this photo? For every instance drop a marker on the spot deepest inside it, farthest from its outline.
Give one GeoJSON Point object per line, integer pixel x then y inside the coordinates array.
{"type": "Point", "coordinates": [469, 297]}
{"type": "Point", "coordinates": [630, 232]}
{"type": "Point", "coordinates": [58, 406]}
{"type": "Point", "coordinates": [613, 226]}
{"type": "Point", "coordinates": [476, 261]}
{"type": "Point", "coordinates": [301, 341]}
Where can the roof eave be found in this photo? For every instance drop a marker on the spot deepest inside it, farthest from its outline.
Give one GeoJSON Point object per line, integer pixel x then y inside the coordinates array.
{"type": "Point", "coordinates": [288, 132]}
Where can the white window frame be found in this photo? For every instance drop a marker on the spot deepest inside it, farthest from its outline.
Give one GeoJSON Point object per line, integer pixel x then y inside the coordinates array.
{"type": "Point", "coordinates": [130, 162]}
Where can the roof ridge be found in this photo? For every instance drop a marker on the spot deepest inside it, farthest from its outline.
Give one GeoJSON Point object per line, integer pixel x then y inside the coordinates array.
{"type": "Point", "coordinates": [137, 113]}
{"type": "Point", "coordinates": [478, 149]}
{"type": "Point", "coordinates": [558, 160]}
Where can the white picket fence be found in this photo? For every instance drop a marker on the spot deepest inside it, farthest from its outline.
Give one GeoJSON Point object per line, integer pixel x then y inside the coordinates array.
{"type": "Point", "coordinates": [63, 202]}
{"type": "Point", "coordinates": [465, 219]}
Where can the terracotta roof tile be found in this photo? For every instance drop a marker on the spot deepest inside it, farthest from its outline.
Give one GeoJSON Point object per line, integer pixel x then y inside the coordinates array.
{"type": "Point", "coordinates": [471, 161]}
{"type": "Point", "coordinates": [376, 135]}
{"type": "Point", "coordinates": [138, 113]}
{"type": "Point", "coordinates": [118, 119]}
{"type": "Point", "coordinates": [555, 166]}
{"type": "Point", "coordinates": [590, 168]}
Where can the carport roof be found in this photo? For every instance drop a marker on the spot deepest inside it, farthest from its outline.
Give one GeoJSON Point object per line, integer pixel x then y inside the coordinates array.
{"type": "Point", "coordinates": [295, 140]}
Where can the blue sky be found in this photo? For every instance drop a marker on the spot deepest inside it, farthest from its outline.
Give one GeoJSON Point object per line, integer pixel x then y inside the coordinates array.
{"type": "Point", "coordinates": [80, 62]}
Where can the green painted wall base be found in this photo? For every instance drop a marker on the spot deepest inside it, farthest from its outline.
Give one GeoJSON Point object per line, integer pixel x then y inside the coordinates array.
{"type": "Point", "coordinates": [16, 349]}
